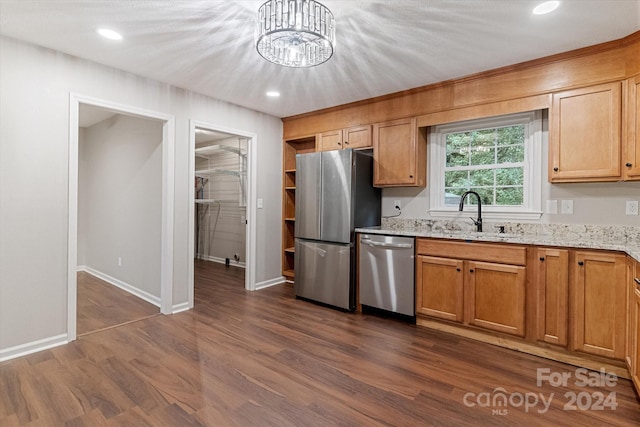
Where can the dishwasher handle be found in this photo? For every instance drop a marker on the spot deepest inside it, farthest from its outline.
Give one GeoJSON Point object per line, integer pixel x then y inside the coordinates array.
{"type": "Point", "coordinates": [386, 245]}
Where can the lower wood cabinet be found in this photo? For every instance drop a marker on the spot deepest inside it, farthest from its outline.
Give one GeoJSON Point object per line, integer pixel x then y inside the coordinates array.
{"type": "Point", "coordinates": [477, 292]}
{"type": "Point", "coordinates": [440, 287]}
{"type": "Point", "coordinates": [496, 297]}
{"type": "Point", "coordinates": [634, 327]}
{"type": "Point", "coordinates": [599, 303]}
{"type": "Point", "coordinates": [552, 289]}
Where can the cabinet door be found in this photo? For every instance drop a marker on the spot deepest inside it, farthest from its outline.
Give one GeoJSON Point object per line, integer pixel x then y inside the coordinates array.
{"type": "Point", "coordinates": [631, 157]}
{"type": "Point", "coordinates": [599, 290]}
{"type": "Point", "coordinates": [552, 282]}
{"type": "Point", "coordinates": [331, 140]}
{"type": "Point", "coordinates": [399, 159]}
{"type": "Point", "coordinates": [495, 297]}
{"type": "Point", "coordinates": [439, 287]}
{"type": "Point", "coordinates": [630, 301]}
{"type": "Point", "coordinates": [357, 137]}
{"type": "Point", "coordinates": [635, 361]}
{"type": "Point", "coordinates": [584, 134]}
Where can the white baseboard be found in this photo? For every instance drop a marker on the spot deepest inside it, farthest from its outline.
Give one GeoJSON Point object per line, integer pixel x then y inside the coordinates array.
{"type": "Point", "coordinates": [32, 347]}
{"type": "Point", "coordinates": [81, 268]}
{"type": "Point", "coordinates": [183, 306]}
{"type": "Point", "coordinates": [271, 282]}
{"type": "Point", "coordinates": [124, 286]}
{"type": "Point", "coordinates": [221, 260]}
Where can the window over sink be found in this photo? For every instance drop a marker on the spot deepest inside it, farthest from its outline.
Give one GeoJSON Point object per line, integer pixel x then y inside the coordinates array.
{"type": "Point", "coordinates": [497, 157]}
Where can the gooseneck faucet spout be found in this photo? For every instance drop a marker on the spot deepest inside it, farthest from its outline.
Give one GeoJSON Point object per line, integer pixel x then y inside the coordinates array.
{"type": "Point", "coordinates": [477, 222]}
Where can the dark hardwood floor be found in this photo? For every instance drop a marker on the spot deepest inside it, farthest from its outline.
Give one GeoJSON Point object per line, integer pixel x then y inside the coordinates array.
{"type": "Point", "coordinates": [102, 305]}
{"type": "Point", "coordinates": [266, 359]}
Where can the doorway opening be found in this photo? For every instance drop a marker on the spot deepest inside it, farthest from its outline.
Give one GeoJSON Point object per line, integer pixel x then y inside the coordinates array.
{"type": "Point", "coordinates": [108, 205]}
{"type": "Point", "coordinates": [222, 230]}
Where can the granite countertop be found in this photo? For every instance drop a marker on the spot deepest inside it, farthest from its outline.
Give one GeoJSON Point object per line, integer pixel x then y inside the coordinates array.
{"type": "Point", "coordinates": [616, 238]}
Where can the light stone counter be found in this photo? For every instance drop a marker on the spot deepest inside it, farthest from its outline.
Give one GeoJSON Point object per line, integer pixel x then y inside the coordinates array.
{"type": "Point", "coordinates": [616, 238]}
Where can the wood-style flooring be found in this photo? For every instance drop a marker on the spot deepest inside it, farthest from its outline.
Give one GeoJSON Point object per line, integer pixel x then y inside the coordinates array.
{"type": "Point", "coordinates": [102, 305]}
{"type": "Point", "coordinates": [266, 359]}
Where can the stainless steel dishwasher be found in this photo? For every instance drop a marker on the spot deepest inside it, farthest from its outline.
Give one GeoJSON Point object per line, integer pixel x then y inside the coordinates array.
{"type": "Point", "coordinates": [387, 272]}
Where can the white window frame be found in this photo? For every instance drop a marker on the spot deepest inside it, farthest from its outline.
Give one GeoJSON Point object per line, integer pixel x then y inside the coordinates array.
{"type": "Point", "coordinates": [531, 209]}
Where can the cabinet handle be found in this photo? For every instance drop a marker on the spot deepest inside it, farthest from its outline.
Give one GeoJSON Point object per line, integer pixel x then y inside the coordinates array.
{"type": "Point", "coordinates": [471, 270]}
{"type": "Point", "coordinates": [580, 263]}
{"type": "Point", "coordinates": [637, 281]}
{"type": "Point", "coordinates": [628, 165]}
{"type": "Point", "coordinates": [555, 169]}
{"type": "Point", "coordinates": [541, 258]}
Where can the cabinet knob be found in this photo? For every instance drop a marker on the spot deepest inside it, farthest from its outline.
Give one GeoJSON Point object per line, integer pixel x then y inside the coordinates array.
{"type": "Point", "coordinates": [541, 258]}
{"type": "Point", "coordinates": [339, 143]}
{"type": "Point", "coordinates": [410, 176]}
{"type": "Point", "coordinates": [555, 169]}
{"type": "Point", "coordinates": [457, 269]}
{"type": "Point", "coordinates": [628, 165]}
{"type": "Point", "coordinates": [346, 142]}
{"type": "Point", "coordinates": [580, 262]}
{"type": "Point", "coordinates": [471, 270]}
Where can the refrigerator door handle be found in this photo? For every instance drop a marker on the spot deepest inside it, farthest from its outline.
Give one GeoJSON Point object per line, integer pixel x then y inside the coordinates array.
{"type": "Point", "coordinates": [387, 245]}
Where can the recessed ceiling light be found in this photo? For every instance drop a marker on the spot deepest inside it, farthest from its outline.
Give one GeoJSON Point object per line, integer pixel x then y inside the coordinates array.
{"type": "Point", "coordinates": [273, 94]}
{"type": "Point", "coordinates": [546, 7]}
{"type": "Point", "coordinates": [109, 34]}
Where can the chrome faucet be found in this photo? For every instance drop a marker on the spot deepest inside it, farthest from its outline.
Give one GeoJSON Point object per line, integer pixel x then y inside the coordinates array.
{"type": "Point", "coordinates": [477, 222]}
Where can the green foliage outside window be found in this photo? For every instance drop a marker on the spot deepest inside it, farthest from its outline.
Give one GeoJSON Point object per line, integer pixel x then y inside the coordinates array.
{"type": "Point", "coordinates": [488, 161]}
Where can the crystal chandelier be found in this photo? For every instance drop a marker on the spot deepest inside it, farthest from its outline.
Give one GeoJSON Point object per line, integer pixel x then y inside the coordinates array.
{"type": "Point", "coordinates": [295, 33]}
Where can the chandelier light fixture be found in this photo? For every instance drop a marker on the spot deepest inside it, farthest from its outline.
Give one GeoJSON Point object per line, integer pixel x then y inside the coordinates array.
{"type": "Point", "coordinates": [295, 33]}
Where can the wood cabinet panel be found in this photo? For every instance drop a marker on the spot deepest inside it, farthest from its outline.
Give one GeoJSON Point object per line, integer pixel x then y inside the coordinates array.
{"type": "Point", "coordinates": [358, 137]}
{"type": "Point", "coordinates": [552, 282]}
{"type": "Point", "coordinates": [635, 362]}
{"type": "Point", "coordinates": [495, 296]}
{"type": "Point", "coordinates": [631, 156]}
{"type": "Point", "coordinates": [584, 134]}
{"type": "Point", "coordinates": [477, 251]}
{"type": "Point", "coordinates": [599, 304]}
{"type": "Point", "coordinates": [331, 140]}
{"type": "Point", "coordinates": [399, 154]}
{"type": "Point", "coordinates": [439, 288]}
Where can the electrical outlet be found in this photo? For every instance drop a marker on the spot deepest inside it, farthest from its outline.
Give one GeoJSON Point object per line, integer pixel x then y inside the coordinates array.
{"type": "Point", "coordinates": [567, 207]}
{"type": "Point", "coordinates": [552, 206]}
{"type": "Point", "coordinates": [119, 261]}
{"type": "Point", "coordinates": [260, 203]}
{"type": "Point", "coordinates": [632, 207]}
{"type": "Point", "coordinates": [396, 204]}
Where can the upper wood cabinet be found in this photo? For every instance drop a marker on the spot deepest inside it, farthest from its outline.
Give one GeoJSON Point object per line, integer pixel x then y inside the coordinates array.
{"type": "Point", "coordinates": [584, 134]}
{"type": "Point", "coordinates": [353, 137]}
{"type": "Point", "coordinates": [631, 155]}
{"type": "Point", "coordinates": [399, 154]}
{"type": "Point", "coordinates": [599, 303]}
{"type": "Point", "coordinates": [552, 283]}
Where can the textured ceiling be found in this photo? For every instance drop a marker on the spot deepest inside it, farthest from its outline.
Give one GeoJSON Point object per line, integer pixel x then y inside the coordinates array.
{"type": "Point", "coordinates": [383, 46]}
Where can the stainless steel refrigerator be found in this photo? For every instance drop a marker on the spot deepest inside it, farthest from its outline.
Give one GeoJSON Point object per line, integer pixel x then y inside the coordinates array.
{"type": "Point", "coordinates": [334, 195]}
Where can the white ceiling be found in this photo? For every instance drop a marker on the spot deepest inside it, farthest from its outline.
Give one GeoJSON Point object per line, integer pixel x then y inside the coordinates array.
{"type": "Point", "coordinates": [383, 46]}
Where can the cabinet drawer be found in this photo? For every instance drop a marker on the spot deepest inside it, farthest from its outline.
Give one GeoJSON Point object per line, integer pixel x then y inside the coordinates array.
{"type": "Point", "coordinates": [477, 251]}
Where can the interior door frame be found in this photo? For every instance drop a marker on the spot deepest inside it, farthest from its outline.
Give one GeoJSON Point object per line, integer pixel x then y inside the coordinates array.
{"type": "Point", "coordinates": [168, 195]}
{"type": "Point", "coordinates": [251, 231]}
